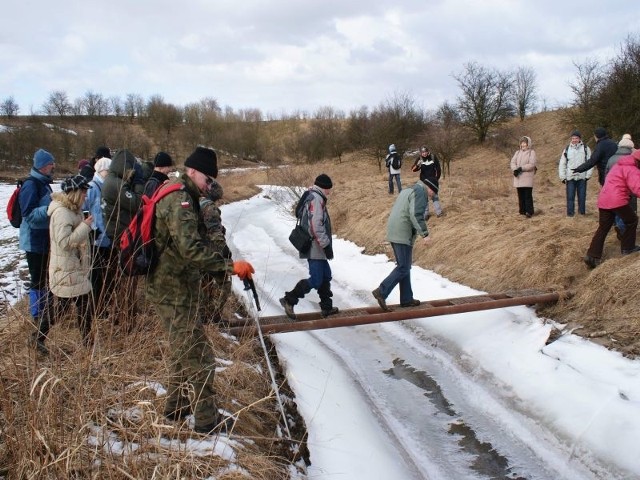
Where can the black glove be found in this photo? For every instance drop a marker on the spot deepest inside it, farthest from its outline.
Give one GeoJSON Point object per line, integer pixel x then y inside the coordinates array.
{"type": "Point", "coordinates": [564, 181]}
{"type": "Point", "coordinates": [328, 251]}
{"type": "Point", "coordinates": [517, 171]}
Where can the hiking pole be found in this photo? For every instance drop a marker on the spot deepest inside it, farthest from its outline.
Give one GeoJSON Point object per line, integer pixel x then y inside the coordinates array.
{"type": "Point", "coordinates": [274, 385]}
{"type": "Point", "coordinates": [250, 285]}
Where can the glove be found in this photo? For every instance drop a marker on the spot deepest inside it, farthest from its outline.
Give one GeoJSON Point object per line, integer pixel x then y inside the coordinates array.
{"type": "Point", "coordinates": [564, 181]}
{"type": "Point", "coordinates": [328, 251]}
{"type": "Point", "coordinates": [517, 171]}
{"type": "Point", "coordinates": [243, 269]}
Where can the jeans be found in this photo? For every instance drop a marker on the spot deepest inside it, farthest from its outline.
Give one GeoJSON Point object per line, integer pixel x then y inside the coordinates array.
{"type": "Point", "coordinates": [579, 187]}
{"type": "Point", "coordinates": [397, 175]}
{"type": "Point", "coordinates": [401, 274]}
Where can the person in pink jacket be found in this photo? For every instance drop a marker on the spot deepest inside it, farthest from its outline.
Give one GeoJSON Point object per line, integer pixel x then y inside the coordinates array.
{"type": "Point", "coordinates": [622, 181]}
{"type": "Point", "coordinates": [523, 166]}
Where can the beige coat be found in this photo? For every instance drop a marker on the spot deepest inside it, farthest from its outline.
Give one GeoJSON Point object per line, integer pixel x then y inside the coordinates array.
{"type": "Point", "coordinates": [69, 260]}
{"type": "Point", "coordinates": [527, 160]}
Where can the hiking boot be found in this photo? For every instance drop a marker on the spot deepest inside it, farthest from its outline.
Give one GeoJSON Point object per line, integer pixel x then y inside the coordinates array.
{"type": "Point", "coordinates": [288, 308]}
{"type": "Point", "coordinates": [592, 262]}
{"type": "Point", "coordinates": [330, 311]}
{"type": "Point", "coordinates": [633, 250]}
{"type": "Point", "coordinates": [411, 303]}
{"type": "Point", "coordinates": [41, 348]}
{"type": "Point", "coordinates": [223, 426]}
{"type": "Point", "coordinates": [378, 296]}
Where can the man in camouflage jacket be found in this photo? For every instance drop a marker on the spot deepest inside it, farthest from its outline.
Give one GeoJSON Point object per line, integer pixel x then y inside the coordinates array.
{"type": "Point", "coordinates": [216, 287]}
{"type": "Point", "coordinates": [174, 289]}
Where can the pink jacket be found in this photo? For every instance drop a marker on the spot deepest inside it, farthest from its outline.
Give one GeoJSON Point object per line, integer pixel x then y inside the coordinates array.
{"type": "Point", "coordinates": [621, 181]}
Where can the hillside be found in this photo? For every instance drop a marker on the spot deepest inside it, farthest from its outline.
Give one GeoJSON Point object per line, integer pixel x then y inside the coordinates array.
{"type": "Point", "coordinates": [483, 242]}
{"type": "Point", "coordinates": [46, 404]}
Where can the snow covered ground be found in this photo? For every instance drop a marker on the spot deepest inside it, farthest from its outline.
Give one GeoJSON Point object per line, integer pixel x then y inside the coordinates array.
{"type": "Point", "coordinates": [570, 409]}
{"type": "Point", "coordinates": [474, 395]}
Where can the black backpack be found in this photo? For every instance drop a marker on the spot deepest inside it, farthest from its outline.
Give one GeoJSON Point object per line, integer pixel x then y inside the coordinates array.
{"type": "Point", "coordinates": [396, 162]}
{"type": "Point", "coordinates": [301, 203]}
{"type": "Point", "coordinates": [566, 150]}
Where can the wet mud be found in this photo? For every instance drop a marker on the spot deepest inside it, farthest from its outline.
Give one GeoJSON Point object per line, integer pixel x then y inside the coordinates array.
{"type": "Point", "coordinates": [487, 461]}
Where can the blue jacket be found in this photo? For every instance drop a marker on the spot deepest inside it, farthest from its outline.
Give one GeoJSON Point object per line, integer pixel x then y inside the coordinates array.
{"type": "Point", "coordinates": [34, 199]}
{"type": "Point", "coordinates": [92, 203]}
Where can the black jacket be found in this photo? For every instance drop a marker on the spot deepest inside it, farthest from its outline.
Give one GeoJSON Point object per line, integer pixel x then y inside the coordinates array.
{"type": "Point", "coordinates": [605, 148]}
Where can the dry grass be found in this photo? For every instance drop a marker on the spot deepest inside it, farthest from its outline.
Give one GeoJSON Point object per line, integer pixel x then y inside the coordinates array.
{"type": "Point", "coordinates": [47, 405]}
{"type": "Point", "coordinates": [483, 242]}
{"type": "Point", "coordinates": [55, 411]}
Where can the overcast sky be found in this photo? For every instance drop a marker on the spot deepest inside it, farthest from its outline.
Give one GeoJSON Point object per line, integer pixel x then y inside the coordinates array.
{"type": "Point", "coordinates": [287, 55]}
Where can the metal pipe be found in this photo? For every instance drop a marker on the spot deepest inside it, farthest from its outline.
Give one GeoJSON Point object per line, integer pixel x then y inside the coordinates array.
{"type": "Point", "coordinates": [237, 322]}
{"type": "Point", "coordinates": [462, 305]}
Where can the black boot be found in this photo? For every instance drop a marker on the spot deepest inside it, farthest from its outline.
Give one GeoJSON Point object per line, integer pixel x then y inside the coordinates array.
{"type": "Point", "coordinates": [326, 301]}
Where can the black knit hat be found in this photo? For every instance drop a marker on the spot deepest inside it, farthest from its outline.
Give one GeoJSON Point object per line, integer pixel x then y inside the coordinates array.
{"type": "Point", "coordinates": [102, 152]}
{"type": "Point", "coordinates": [163, 159]}
{"type": "Point", "coordinates": [323, 181]}
{"type": "Point", "coordinates": [204, 160]}
{"type": "Point", "coordinates": [600, 133]}
{"type": "Point", "coordinates": [576, 133]}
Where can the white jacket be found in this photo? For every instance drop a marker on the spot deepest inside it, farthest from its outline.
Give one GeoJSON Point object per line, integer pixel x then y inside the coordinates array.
{"type": "Point", "coordinates": [575, 157]}
{"type": "Point", "coordinates": [70, 257]}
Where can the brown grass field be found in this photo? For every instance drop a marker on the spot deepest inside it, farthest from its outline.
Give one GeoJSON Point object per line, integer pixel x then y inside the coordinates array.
{"type": "Point", "coordinates": [49, 405]}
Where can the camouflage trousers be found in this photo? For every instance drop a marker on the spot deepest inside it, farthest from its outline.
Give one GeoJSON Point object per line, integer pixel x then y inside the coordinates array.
{"type": "Point", "coordinates": [191, 366]}
{"type": "Point", "coordinates": [214, 293]}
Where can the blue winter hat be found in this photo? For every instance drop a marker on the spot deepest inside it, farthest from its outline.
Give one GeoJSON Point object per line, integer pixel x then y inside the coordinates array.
{"type": "Point", "coordinates": [392, 148]}
{"type": "Point", "coordinates": [42, 158]}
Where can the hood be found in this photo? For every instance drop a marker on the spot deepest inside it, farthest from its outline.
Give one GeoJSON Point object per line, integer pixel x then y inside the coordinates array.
{"type": "Point", "coordinates": [627, 160]}
{"type": "Point", "coordinates": [528, 139]}
{"type": "Point", "coordinates": [60, 200]}
{"type": "Point", "coordinates": [40, 176]}
{"type": "Point", "coordinates": [122, 162]}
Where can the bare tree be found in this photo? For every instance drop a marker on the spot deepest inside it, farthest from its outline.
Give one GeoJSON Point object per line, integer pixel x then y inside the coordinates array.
{"type": "Point", "coordinates": [134, 106]}
{"type": "Point", "coordinates": [116, 106]}
{"type": "Point", "coordinates": [57, 104]}
{"type": "Point", "coordinates": [587, 85]}
{"type": "Point", "coordinates": [525, 90]}
{"type": "Point", "coordinates": [446, 136]}
{"type": "Point", "coordinates": [616, 102]}
{"type": "Point", "coordinates": [9, 108]}
{"type": "Point", "coordinates": [485, 99]}
{"type": "Point", "coordinates": [163, 115]}
{"type": "Point", "coordinates": [77, 108]}
{"type": "Point", "coordinates": [92, 103]}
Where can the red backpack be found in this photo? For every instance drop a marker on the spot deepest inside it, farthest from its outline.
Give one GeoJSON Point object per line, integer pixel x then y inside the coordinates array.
{"type": "Point", "coordinates": [138, 251]}
{"type": "Point", "coordinates": [14, 214]}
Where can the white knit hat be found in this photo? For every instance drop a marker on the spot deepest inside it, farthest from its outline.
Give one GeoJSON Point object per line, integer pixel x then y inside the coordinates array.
{"type": "Point", "coordinates": [103, 164]}
{"type": "Point", "coordinates": [626, 141]}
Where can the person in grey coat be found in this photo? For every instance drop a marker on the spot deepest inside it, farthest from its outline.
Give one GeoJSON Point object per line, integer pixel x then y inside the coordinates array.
{"type": "Point", "coordinates": [406, 222]}
{"type": "Point", "coordinates": [315, 218]}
